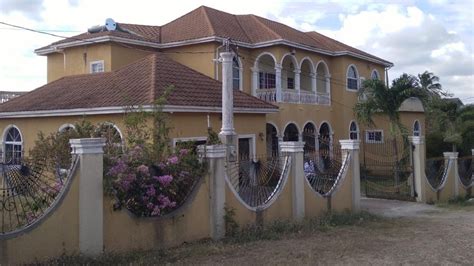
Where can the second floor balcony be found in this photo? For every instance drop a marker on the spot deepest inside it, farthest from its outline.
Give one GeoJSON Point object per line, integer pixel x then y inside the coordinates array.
{"type": "Point", "coordinates": [293, 96]}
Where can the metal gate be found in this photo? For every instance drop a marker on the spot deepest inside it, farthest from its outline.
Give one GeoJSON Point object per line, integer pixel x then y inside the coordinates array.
{"type": "Point", "coordinates": [387, 169]}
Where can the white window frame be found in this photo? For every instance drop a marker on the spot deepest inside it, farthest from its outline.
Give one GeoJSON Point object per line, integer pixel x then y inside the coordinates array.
{"type": "Point", "coordinates": [241, 72]}
{"type": "Point", "coordinates": [357, 78]}
{"type": "Point", "coordinates": [4, 142]}
{"type": "Point", "coordinates": [91, 64]}
{"type": "Point", "coordinates": [356, 131]}
{"type": "Point", "coordinates": [253, 148]}
{"type": "Point", "coordinates": [419, 128]}
{"type": "Point", "coordinates": [65, 126]}
{"type": "Point", "coordinates": [367, 132]}
{"type": "Point", "coordinates": [122, 139]}
{"type": "Point", "coordinates": [176, 140]}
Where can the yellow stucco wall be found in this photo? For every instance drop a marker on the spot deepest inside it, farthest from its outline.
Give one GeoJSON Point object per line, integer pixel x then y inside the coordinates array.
{"type": "Point", "coordinates": [199, 57]}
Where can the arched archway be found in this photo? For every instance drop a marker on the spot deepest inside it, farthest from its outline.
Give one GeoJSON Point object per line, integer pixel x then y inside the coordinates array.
{"type": "Point", "coordinates": [272, 140]}
{"type": "Point", "coordinates": [309, 137]}
{"type": "Point", "coordinates": [324, 144]}
{"type": "Point", "coordinates": [291, 133]}
{"type": "Point", "coordinates": [307, 74]}
{"type": "Point", "coordinates": [289, 67]}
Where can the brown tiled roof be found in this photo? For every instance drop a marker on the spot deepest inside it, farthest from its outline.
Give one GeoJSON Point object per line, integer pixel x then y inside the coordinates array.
{"type": "Point", "coordinates": [139, 83]}
{"type": "Point", "coordinates": [205, 22]}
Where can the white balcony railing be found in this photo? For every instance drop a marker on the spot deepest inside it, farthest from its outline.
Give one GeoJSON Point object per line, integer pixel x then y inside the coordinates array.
{"type": "Point", "coordinates": [292, 96]}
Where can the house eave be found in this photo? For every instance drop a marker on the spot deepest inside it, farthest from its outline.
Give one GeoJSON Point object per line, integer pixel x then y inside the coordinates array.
{"type": "Point", "coordinates": [121, 110]}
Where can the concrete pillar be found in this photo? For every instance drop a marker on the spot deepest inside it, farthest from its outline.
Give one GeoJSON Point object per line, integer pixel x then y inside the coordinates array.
{"type": "Point", "coordinates": [227, 134]}
{"type": "Point", "coordinates": [278, 89]}
{"type": "Point", "coordinates": [255, 80]}
{"type": "Point", "coordinates": [419, 166]}
{"type": "Point", "coordinates": [453, 158]}
{"type": "Point", "coordinates": [295, 150]}
{"type": "Point", "coordinates": [313, 82]}
{"type": "Point", "coordinates": [298, 83]}
{"type": "Point", "coordinates": [353, 146]}
{"type": "Point", "coordinates": [215, 156]}
{"type": "Point", "coordinates": [90, 152]}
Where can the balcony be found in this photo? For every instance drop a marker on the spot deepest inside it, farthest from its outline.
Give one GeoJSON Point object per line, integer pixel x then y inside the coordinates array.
{"type": "Point", "coordinates": [293, 96]}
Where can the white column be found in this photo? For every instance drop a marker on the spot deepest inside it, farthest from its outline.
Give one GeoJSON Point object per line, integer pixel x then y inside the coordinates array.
{"type": "Point", "coordinates": [255, 80]}
{"type": "Point", "coordinates": [90, 152]}
{"type": "Point", "coordinates": [352, 146]}
{"type": "Point", "coordinates": [215, 156]}
{"type": "Point", "coordinates": [295, 150]}
{"type": "Point", "coordinates": [453, 158]}
{"type": "Point", "coordinates": [298, 83]}
{"type": "Point", "coordinates": [227, 95]}
{"type": "Point", "coordinates": [278, 82]}
{"type": "Point", "coordinates": [419, 166]}
{"type": "Point", "coordinates": [313, 82]}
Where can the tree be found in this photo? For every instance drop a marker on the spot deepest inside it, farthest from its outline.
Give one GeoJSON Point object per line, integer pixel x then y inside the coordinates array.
{"type": "Point", "coordinates": [429, 83]}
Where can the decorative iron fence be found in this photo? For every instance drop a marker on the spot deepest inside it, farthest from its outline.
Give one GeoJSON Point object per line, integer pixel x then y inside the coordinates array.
{"type": "Point", "coordinates": [436, 172]}
{"type": "Point", "coordinates": [28, 191]}
{"type": "Point", "coordinates": [386, 170]}
{"type": "Point", "coordinates": [465, 166]}
{"type": "Point", "coordinates": [256, 181]}
{"type": "Point", "coordinates": [323, 169]}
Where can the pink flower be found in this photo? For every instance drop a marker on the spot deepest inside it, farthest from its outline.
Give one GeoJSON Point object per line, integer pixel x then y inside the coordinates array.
{"type": "Point", "coordinates": [150, 206]}
{"type": "Point", "coordinates": [119, 168]}
{"type": "Point", "coordinates": [151, 191]}
{"type": "Point", "coordinates": [143, 169]}
{"type": "Point", "coordinates": [183, 152]}
{"type": "Point", "coordinates": [125, 185]}
{"type": "Point", "coordinates": [156, 211]}
{"type": "Point", "coordinates": [173, 159]}
{"type": "Point", "coordinates": [164, 180]}
{"type": "Point", "coordinates": [165, 202]}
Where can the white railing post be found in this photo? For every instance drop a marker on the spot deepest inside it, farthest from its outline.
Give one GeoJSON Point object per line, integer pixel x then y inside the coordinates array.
{"type": "Point", "coordinates": [352, 147]}
{"type": "Point", "coordinates": [91, 194]}
{"type": "Point", "coordinates": [215, 156]}
{"type": "Point", "coordinates": [295, 150]}
{"type": "Point", "coordinates": [419, 166]}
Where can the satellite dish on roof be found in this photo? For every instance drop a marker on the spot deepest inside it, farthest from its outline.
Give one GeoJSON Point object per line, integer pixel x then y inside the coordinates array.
{"type": "Point", "coordinates": [110, 24]}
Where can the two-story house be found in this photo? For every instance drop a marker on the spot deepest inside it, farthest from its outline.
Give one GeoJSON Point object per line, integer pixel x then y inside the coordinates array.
{"type": "Point", "coordinates": [304, 84]}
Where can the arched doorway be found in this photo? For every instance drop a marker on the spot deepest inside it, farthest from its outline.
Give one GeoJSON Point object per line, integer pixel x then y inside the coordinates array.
{"type": "Point", "coordinates": [272, 140]}
{"type": "Point", "coordinates": [309, 138]}
{"type": "Point", "coordinates": [324, 141]}
{"type": "Point", "coordinates": [291, 133]}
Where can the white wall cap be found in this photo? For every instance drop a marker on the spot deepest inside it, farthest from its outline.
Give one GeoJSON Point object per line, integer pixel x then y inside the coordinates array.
{"type": "Point", "coordinates": [87, 145]}
{"type": "Point", "coordinates": [212, 151]}
{"type": "Point", "coordinates": [349, 144]}
{"type": "Point", "coordinates": [417, 140]}
{"type": "Point", "coordinates": [450, 155]}
{"type": "Point", "coordinates": [292, 146]}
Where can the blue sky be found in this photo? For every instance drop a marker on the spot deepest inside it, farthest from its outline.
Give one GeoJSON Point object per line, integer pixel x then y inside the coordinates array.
{"type": "Point", "coordinates": [434, 35]}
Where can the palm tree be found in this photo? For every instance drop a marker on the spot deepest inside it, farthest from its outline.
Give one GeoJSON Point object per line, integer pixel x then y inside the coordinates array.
{"type": "Point", "coordinates": [429, 83]}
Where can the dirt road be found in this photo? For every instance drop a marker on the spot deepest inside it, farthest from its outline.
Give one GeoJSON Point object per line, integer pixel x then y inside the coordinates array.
{"type": "Point", "coordinates": [413, 234]}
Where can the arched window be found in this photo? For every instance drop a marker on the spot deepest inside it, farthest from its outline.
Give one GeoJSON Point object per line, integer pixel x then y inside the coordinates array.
{"type": "Point", "coordinates": [66, 128]}
{"type": "Point", "coordinates": [309, 138]}
{"type": "Point", "coordinates": [416, 129]}
{"type": "Point", "coordinates": [291, 133]}
{"type": "Point", "coordinates": [352, 78]}
{"type": "Point", "coordinates": [374, 75]}
{"type": "Point", "coordinates": [272, 140]}
{"type": "Point", "coordinates": [353, 131]}
{"type": "Point", "coordinates": [13, 145]}
{"type": "Point", "coordinates": [235, 73]}
{"type": "Point", "coordinates": [113, 137]}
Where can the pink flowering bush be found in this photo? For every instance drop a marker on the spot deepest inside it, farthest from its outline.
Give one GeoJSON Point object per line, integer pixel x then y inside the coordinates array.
{"type": "Point", "coordinates": [153, 188]}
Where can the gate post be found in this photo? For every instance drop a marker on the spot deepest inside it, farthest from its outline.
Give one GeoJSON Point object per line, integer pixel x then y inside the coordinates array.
{"type": "Point", "coordinates": [215, 156]}
{"type": "Point", "coordinates": [91, 208]}
{"type": "Point", "coordinates": [295, 149]}
{"type": "Point", "coordinates": [419, 154]}
{"type": "Point", "coordinates": [452, 157]}
{"type": "Point", "coordinates": [353, 146]}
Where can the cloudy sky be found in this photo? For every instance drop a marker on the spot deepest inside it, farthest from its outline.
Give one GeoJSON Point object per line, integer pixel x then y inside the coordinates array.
{"type": "Point", "coordinates": [434, 35]}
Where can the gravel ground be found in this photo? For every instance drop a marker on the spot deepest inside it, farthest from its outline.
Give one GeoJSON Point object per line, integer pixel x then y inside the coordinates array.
{"type": "Point", "coordinates": [412, 233]}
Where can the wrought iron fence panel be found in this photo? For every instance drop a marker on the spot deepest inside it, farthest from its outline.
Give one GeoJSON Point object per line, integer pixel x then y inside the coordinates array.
{"type": "Point", "coordinates": [465, 166]}
{"type": "Point", "coordinates": [28, 191]}
{"type": "Point", "coordinates": [323, 168]}
{"type": "Point", "coordinates": [256, 181]}
{"type": "Point", "coordinates": [387, 169]}
{"type": "Point", "coordinates": [435, 171]}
